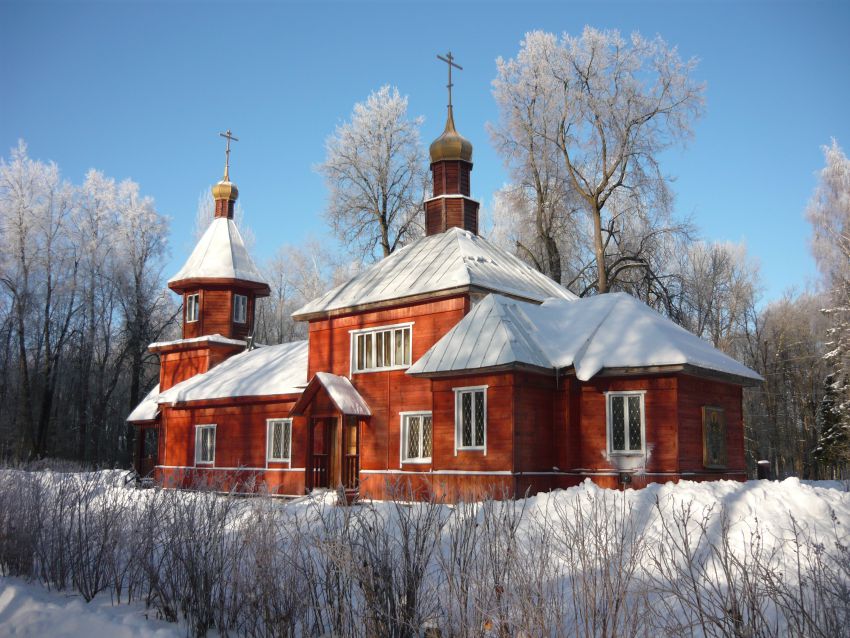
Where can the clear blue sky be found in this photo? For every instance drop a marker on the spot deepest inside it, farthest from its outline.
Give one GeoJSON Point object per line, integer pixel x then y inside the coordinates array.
{"type": "Point", "coordinates": [140, 90]}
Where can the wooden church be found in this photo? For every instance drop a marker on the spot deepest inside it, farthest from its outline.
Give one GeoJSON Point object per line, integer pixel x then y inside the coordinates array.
{"type": "Point", "coordinates": [450, 366]}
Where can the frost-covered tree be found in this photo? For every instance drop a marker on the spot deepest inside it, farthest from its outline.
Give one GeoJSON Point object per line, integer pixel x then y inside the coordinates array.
{"type": "Point", "coordinates": [375, 171]}
{"type": "Point", "coordinates": [604, 107]}
{"type": "Point", "coordinates": [829, 214]}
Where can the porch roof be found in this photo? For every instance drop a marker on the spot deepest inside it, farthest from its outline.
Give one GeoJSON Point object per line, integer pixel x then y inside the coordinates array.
{"type": "Point", "coordinates": [148, 409]}
{"type": "Point", "coordinates": [341, 392]}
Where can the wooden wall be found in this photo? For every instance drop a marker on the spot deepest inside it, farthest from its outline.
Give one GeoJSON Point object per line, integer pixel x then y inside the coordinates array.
{"type": "Point", "coordinates": [694, 393]}
{"type": "Point", "coordinates": [240, 443]}
{"type": "Point", "coordinates": [216, 313]}
{"type": "Point", "coordinates": [386, 393]}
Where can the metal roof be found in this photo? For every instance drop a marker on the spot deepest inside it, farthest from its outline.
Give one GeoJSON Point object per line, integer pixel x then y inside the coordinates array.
{"type": "Point", "coordinates": [454, 259]}
{"type": "Point", "coordinates": [220, 254]}
{"type": "Point", "coordinates": [613, 330]}
{"type": "Point", "coordinates": [264, 371]}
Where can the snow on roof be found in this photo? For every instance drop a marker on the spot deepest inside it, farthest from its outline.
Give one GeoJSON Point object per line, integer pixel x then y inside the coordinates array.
{"type": "Point", "coordinates": [148, 409]}
{"type": "Point", "coordinates": [216, 338]}
{"type": "Point", "coordinates": [267, 370]}
{"type": "Point", "coordinates": [220, 254]}
{"type": "Point", "coordinates": [614, 330]}
{"type": "Point", "coordinates": [344, 395]}
{"type": "Point", "coordinates": [453, 259]}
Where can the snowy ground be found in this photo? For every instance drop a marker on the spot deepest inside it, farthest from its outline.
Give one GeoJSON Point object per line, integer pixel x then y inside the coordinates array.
{"type": "Point", "coordinates": [772, 513]}
{"type": "Point", "coordinates": [31, 610]}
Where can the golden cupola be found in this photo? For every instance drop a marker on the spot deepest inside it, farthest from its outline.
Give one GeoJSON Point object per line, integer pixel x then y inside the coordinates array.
{"type": "Point", "coordinates": [451, 145]}
{"type": "Point", "coordinates": [225, 189]}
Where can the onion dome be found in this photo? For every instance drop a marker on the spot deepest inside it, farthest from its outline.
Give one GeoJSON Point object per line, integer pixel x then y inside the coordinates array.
{"type": "Point", "coordinates": [451, 145]}
{"type": "Point", "coordinates": [225, 189]}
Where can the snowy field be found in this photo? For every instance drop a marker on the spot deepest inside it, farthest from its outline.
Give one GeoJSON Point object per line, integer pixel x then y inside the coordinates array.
{"type": "Point", "coordinates": [705, 559]}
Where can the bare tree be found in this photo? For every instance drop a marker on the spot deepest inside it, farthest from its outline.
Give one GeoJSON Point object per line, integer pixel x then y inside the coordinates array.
{"type": "Point", "coordinates": [374, 169]}
{"type": "Point", "coordinates": [606, 107]}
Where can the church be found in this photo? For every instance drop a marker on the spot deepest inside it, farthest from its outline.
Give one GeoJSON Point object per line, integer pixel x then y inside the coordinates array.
{"type": "Point", "coordinates": [451, 368]}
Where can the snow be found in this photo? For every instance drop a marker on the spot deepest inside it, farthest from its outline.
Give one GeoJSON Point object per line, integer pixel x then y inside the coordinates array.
{"type": "Point", "coordinates": [215, 338]}
{"type": "Point", "coordinates": [614, 330]}
{"type": "Point", "coordinates": [219, 254]}
{"type": "Point", "coordinates": [454, 259]}
{"type": "Point", "coordinates": [148, 409]}
{"type": "Point", "coordinates": [267, 370]}
{"type": "Point", "coordinates": [757, 511]}
{"type": "Point", "coordinates": [31, 610]}
{"type": "Point", "coordinates": [340, 390]}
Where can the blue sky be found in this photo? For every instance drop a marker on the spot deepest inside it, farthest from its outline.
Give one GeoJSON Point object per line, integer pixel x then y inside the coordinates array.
{"type": "Point", "coordinates": [140, 90]}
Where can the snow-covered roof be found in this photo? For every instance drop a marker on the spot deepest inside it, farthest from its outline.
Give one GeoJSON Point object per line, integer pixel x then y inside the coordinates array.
{"type": "Point", "coordinates": [264, 371]}
{"type": "Point", "coordinates": [454, 259]}
{"type": "Point", "coordinates": [215, 338]}
{"type": "Point", "coordinates": [606, 331]}
{"type": "Point", "coordinates": [220, 254]}
{"type": "Point", "coordinates": [148, 409]}
{"type": "Point", "coordinates": [340, 390]}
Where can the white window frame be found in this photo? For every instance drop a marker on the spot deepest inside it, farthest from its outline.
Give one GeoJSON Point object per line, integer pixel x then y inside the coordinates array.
{"type": "Point", "coordinates": [193, 303]}
{"type": "Point", "coordinates": [356, 334]}
{"type": "Point", "coordinates": [240, 305]}
{"type": "Point", "coordinates": [270, 423]}
{"type": "Point", "coordinates": [403, 416]}
{"type": "Point", "coordinates": [458, 418]}
{"type": "Point", "coordinates": [198, 434]}
{"type": "Point", "coordinates": [610, 426]}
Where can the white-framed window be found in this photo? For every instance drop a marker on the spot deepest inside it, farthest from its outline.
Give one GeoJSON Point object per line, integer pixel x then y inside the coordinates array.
{"type": "Point", "coordinates": [193, 307]}
{"type": "Point", "coordinates": [240, 308]}
{"type": "Point", "coordinates": [279, 440]}
{"type": "Point", "coordinates": [471, 418]}
{"type": "Point", "coordinates": [417, 437]}
{"type": "Point", "coordinates": [204, 444]}
{"type": "Point", "coordinates": [381, 348]}
{"type": "Point", "coordinates": [626, 422]}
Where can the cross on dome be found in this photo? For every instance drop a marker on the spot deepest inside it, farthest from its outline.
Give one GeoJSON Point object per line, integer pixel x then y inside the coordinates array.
{"type": "Point", "coordinates": [449, 60]}
{"type": "Point", "coordinates": [229, 136]}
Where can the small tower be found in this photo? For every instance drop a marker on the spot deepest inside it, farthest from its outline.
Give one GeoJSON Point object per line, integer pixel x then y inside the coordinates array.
{"type": "Point", "coordinates": [451, 163]}
{"type": "Point", "coordinates": [219, 284]}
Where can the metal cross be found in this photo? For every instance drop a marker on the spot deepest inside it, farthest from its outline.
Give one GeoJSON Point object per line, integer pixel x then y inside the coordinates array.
{"type": "Point", "coordinates": [229, 136]}
{"type": "Point", "coordinates": [449, 60]}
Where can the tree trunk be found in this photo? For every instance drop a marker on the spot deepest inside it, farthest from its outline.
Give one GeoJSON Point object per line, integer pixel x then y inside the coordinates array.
{"type": "Point", "coordinates": [601, 272]}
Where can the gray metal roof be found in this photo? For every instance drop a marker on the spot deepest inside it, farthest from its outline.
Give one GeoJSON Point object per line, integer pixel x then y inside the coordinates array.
{"type": "Point", "coordinates": [614, 330]}
{"type": "Point", "coordinates": [454, 259]}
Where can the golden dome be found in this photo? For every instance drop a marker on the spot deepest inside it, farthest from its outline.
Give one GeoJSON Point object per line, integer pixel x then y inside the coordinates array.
{"type": "Point", "coordinates": [451, 145]}
{"type": "Point", "coordinates": [225, 189]}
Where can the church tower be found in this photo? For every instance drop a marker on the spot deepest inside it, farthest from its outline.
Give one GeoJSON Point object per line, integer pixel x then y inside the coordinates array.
{"type": "Point", "coordinates": [220, 285]}
{"type": "Point", "coordinates": [451, 164]}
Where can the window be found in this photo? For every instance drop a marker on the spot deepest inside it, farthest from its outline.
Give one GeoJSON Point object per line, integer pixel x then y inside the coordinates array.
{"type": "Point", "coordinates": [192, 307]}
{"type": "Point", "coordinates": [471, 418]}
{"type": "Point", "coordinates": [240, 308]}
{"type": "Point", "coordinates": [625, 423]}
{"type": "Point", "coordinates": [416, 437]}
{"type": "Point", "coordinates": [381, 348]}
{"type": "Point", "coordinates": [204, 444]}
{"type": "Point", "coordinates": [279, 440]}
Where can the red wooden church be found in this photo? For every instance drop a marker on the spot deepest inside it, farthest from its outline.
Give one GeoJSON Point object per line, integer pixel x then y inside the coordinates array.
{"type": "Point", "coordinates": [450, 364]}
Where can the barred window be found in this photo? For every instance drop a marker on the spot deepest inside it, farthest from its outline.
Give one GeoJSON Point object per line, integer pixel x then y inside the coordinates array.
{"type": "Point", "coordinates": [416, 437]}
{"type": "Point", "coordinates": [625, 422]}
{"type": "Point", "coordinates": [471, 418]}
{"type": "Point", "coordinates": [204, 444]}
{"type": "Point", "coordinates": [381, 348]}
{"type": "Point", "coordinates": [279, 440]}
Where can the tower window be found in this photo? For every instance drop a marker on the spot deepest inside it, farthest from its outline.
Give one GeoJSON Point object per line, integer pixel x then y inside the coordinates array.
{"type": "Point", "coordinates": [240, 308]}
{"type": "Point", "coordinates": [193, 307]}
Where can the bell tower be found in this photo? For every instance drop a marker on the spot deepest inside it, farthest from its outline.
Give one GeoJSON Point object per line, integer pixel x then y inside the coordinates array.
{"type": "Point", "coordinates": [220, 285]}
{"type": "Point", "coordinates": [451, 164]}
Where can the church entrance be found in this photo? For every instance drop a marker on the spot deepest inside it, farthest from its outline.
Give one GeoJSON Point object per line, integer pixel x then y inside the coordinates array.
{"type": "Point", "coordinates": [334, 452]}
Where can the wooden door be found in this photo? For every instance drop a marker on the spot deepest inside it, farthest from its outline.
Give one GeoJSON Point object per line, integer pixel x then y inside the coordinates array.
{"type": "Point", "coordinates": [350, 452]}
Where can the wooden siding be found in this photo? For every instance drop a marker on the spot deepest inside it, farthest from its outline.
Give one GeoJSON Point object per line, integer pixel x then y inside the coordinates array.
{"type": "Point", "coordinates": [694, 393]}
{"type": "Point", "coordinates": [240, 444]}
{"type": "Point", "coordinates": [216, 313]}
